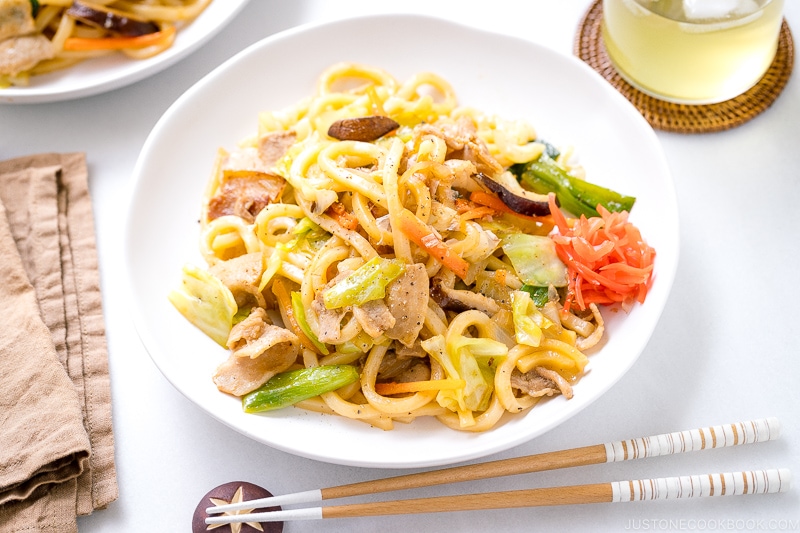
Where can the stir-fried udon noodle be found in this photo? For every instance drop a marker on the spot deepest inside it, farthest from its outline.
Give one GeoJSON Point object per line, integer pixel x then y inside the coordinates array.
{"type": "Point", "coordinates": [42, 36]}
{"type": "Point", "coordinates": [362, 228]}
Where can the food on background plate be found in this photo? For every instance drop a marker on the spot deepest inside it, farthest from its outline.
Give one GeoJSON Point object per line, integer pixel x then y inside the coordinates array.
{"type": "Point", "coordinates": [41, 36]}
{"type": "Point", "coordinates": [380, 252]}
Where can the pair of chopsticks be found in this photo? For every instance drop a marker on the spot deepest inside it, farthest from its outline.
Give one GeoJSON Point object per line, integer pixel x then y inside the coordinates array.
{"type": "Point", "coordinates": [724, 484]}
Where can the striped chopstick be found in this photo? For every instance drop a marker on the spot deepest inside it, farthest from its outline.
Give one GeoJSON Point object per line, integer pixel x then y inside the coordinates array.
{"type": "Point", "coordinates": [679, 487]}
{"type": "Point", "coordinates": [759, 430]}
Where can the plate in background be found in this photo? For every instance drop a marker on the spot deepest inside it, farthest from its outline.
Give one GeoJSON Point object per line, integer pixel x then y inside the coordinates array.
{"type": "Point", "coordinates": [110, 72]}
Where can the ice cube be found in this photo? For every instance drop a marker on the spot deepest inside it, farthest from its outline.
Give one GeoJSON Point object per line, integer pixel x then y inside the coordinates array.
{"type": "Point", "coordinates": [717, 10]}
{"type": "Point", "coordinates": [746, 7]}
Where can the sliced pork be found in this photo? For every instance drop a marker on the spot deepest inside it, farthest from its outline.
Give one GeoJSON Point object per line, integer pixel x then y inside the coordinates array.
{"type": "Point", "coordinates": [259, 351]}
{"type": "Point", "coordinates": [541, 382]}
{"type": "Point", "coordinates": [374, 317]}
{"type": "Point", "coordinates": [407, 301]}
{"type": "Point", "coordinates": [21, 53]}
{"type": "Point", "coordinates": [245, 193]}
{"type": "Point", "coordinates": [273, 146]}
{"type": "Point", "coordinates": [16, 18]}
{"type": "Point", "coordinates": [242, 275]}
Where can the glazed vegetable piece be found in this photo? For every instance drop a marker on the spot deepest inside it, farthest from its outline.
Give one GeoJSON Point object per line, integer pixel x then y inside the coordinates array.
{"type": "Point", "coordinates": [366, 283]}
{"type": "Point", "coordinates": [110, 20]}
{"type": "Point", "coordinates": [288, 388]}
{"type": "Point", "coordinates": [575, 195]}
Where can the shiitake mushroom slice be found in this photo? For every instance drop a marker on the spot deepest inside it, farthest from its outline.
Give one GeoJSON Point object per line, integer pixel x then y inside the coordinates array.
{"type": "Point", "coordinates": [111, 20]}
{"type": "Point", "coordinates": [522, 201]}
{"type": "Point", "coordinates": [362, 128]}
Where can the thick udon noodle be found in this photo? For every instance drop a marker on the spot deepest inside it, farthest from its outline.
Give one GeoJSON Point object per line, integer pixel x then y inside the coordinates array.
{"type": "Point", "coordinates": [415, 170]}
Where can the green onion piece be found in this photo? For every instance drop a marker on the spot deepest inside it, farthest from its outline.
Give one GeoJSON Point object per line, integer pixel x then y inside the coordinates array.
{"type": "Point", "coordinates": [575, 195]}
{"type": "Point", "coordinates": [288, 388]}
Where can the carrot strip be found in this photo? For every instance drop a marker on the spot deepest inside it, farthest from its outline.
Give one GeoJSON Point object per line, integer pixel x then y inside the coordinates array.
{"type": "Point", "coordinates": [484, 198]}
{"type": "Point", "coordinates": [388, 389]}
{"type": "Point", "coordinates": [424, 236]}
{"type": "Point", "coordinates": [338, 213]}
{"type": "Point", "coordinates": [118, 43]}
{"type": "Point", "coordinates": [478, 212]}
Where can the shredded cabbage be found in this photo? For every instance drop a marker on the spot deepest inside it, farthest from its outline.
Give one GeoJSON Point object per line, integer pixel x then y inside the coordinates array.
{"type": "Point", "coordinates": [528, 320]}
{"type": "Point", "coordinates": [476, 357]}
{"type": "Point", "coordinates": [535, 259]}
{"type": "Point", "coordinates": [471, 360]}
{"type": "Point", "coordinates": [205, 302]}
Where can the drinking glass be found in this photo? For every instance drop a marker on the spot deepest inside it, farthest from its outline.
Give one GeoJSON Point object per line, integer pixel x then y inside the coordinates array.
{"type": "Point", "coordinates": [692, 51]}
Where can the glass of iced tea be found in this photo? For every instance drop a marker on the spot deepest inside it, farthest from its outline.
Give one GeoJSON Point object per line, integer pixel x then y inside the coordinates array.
{"type": "Point", "coordinates": [692, 51]}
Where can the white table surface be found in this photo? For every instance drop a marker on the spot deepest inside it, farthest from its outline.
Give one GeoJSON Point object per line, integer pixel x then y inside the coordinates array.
{"type": "Point", "coordinates": [725, 349]}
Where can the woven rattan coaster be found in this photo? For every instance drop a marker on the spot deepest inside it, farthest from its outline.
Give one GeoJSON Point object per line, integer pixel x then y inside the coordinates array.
{"type": "Point", "coordinates": [682, 118]}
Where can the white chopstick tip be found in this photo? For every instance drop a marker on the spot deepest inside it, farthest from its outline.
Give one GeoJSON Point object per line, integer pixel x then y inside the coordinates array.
{"type": "Point", "coordinates": [774, 426]}
{"type": "Point", "coordinates": [785, 477]}
{"type": "Point", "coordinates": [273, 501]}
{"type": "Point", "coordinates": [309, 513]}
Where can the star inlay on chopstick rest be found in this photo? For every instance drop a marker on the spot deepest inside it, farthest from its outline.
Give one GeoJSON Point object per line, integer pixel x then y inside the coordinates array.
{"type": "Point", "coordinates": [234, 492]}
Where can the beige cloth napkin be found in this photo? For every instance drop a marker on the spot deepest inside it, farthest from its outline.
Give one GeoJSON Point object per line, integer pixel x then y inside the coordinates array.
{"type": "Point", "coordinates": [56, 439]}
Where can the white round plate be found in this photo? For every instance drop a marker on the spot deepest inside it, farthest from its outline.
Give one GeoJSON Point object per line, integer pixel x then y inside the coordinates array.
{"type": "Point", "coordinates": [564, 99]}
{"type": "Point", "coordinates": [114, 71]}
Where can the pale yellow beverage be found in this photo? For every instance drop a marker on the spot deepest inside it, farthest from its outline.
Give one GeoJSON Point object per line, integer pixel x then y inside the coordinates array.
{"type": "Point", "coordinates": [692, 51]}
